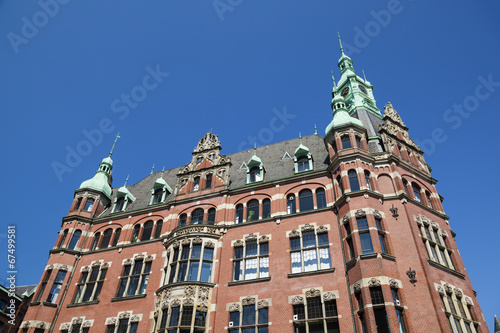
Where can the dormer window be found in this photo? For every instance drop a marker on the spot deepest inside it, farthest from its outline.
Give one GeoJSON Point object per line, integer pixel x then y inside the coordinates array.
{"type": "Point", "coordinates": [255, 175]}
{"type": "Point", "coordinates": [255, 169]}
{"type": "Point", "coordinates": [89, 204]}
{"type": "Point", "coordinates": [196, 183]}
{"type": "Point", "coordinates": [123, 198]}
{"type": "Point", "coordinates": [119, 205]}
{"type": "Point", "coordinates": [303, 164]}
{"type": "Point", "coordinates": [160, 191]}
{"type": "Point", "coordinates": [302, 158]}
{"type": "Point", "coordinates": [157, 195]}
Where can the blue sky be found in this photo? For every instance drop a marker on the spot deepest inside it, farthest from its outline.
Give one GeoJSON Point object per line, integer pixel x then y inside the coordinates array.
{"type": "Point", "coordinates": [231, 66]}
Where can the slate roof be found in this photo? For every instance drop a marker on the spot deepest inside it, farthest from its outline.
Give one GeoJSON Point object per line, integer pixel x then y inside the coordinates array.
{"type": "Point", "coordinates": [271, 155]}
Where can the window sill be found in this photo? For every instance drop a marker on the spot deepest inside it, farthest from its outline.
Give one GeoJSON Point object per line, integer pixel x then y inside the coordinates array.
{"type": "Point", "coordinates": [34, 304]}
{"type": "Point", "coordinates": [52, 305]}
{"type": "Point", "coordinates": [237, 283]}
{"type": "Point", "coordinates": [75, 305]}
{"type": "Point", "coordinates": [446, 269]}
{"type": "Point", "coordinates": [126, 298]}
{"type": "Point", "coordinates": [320, 271]}
{"type": "Point", "coordinates": [368, 256]}
{"type": "Point", "coordinates": [388, 256]}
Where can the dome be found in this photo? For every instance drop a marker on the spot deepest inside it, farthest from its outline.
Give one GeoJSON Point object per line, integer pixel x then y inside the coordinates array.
{"type": "Point", "coordinates": [98, 183]}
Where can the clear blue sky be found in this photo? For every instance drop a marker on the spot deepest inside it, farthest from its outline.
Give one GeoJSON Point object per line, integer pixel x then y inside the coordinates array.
{"type": "Point", "coordinates": [229, 66]}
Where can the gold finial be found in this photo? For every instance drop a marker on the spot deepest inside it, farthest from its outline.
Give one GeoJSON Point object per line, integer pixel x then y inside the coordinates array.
{"type": "Point", "coordinates": [112, 148]}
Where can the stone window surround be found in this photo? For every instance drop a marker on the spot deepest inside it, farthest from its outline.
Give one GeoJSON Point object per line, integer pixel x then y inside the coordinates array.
{"type": "Point", "coordinates": [77, 321]}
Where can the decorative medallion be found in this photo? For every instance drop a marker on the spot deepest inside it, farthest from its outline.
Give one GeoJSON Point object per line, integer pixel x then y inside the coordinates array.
{"type": "Point", "coordinates": [377, 214]}
{"type": "Point", "coordinates": [197, 240]}
{"type": "Point", "coordinates": [328, 296]}
{"type": "Point", "coordinates": [294, 234]}
{"type": "Point", "coordinates": [360, 213]}
{"type": "Point", "coordinates": [209, 245]}
{"type": "Point", "coordinates": [321, 229]}
{"type": "Point", "coordinates": [374, 282]}
{"type": "Point", "coordinates": [307, 227]}
{"type": "Point", "coordinates": [248, 301]}
{"type": "Point", "coordinates": [87, 323]}
{"type": "Point", "coordinates": [394, 284]}
{"type": "Point", "coordinates": [251, 237]}
{"type": "Point", "coordinates": [356, 287]}
{"type": "Point", "coordinates": [313, 292]}
{"type": "Point", "coordinates": [264, 239]}
{"type": "Point", "coordinates": [262, 304]}
{"type": "Point", "coordinates": [458, 293]}
{"type": "Point", "coordinates": [234, 307]}
{"type": "Point", "coordinates": [298, 300]}
{"type": "Point", "coordinates": [448, 288]}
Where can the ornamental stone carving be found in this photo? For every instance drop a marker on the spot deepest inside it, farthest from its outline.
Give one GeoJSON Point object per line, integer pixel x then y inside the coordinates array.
{"type": "Point", "coordinates": [468, 301]}
{"type": "Point", "coordinates": [262, 304]}
{"type": "Point", "coordinates": [77, 321]}
{"type": "Point", "coordinates": [166, 293]}
{"type": "Point", "coordinates": [87, 323]}
{"type": "Point", "coordinates": [234, 307]}
{"type": "Point", "coordinates": [202, 308]}
{"type": "Point", "coordinates": [135, 318]}
{"type": "Point", "coordinates": [440, 290]}
{"type": "Point", "coordinates": [85, 268]}
{"type": "Point", "coordinates": [63, 268]}
{"type": "Point", "coordinates": [294, 234]}
{"type": "Point", "coordinates": [124, 315]}
{"type": "Point", "coordinates": [321, 229]}
{"type": "Point", "coordinates": [65, 326]}
{"type": "Point", "coordinates": [394, 284]}
{"type": "Point", "coordinates": [251, 237]}
{"type": "Point", "coordinates": [345, 219]}
{"type": "Point", "coordinates": [188, 302]}
{"type": "Point", "coordinates": [175, 244]}
{"type": "Point", "coordinates": [148, 258]}
{"type": "Point", "coordinates": [328, 296]}
{"type": "Point", "coordinates": [139, 256]}
{"type": "Point", "coordinates": [128, 262]}
{"type": "Point", "coordinates": [298, 300]}
{"type": "Point", "coordinates": [264, 239]}
{"type": "Point", "coordinates": [96, 264]}
{"type": "Point", "coordinates": [458, 293]}
{"type": "Point", "coordinates": [111, 321]}
{"type": "Point", "coordinates": [238, 243]}
{"type": "Point", "coordinates": [434, 225]}
{"type": "Point", "coordinates": [313, 292]}
{"type": "Point", "coordinates": [49, 267]}
{"type": "Point", "coordinates": [360, 213]}
{"type": "Point", "coordinates": [307, 227]}
{"type": "Point", "coordinates": [175, 302]}
{"type": "Point", "coordinates": [356, 287]}
{"type": "Point", "coordinates": [105, 265]}
{"type": "Point", "coordinates": [197, 240]}
{"type": "Point", "coordinates": [26, 324]}
{"type": "Point", "coordinates": [185, 242]}
{"type": "Point", "coordinates": [443, 233]}
{"type": "Point", "coordinates": [40, 325]}
{"type": "Point", "coordinates": [374, 282]}
{"type": "Point", "coordinates": [377, 214]}
{"type": "Point", "coordinates": [164, 304]}
{"type": "Point", "coordinates": [189, 291]}
{"type": "Point", "coordinates": [418, 220]}
{"type": "Point", "coordinates": [209, 245]}
{"type": "Point", "coordinates": [425, 220]}
{"type": "Point", "coordinates": [248, 301]}
{"type": "Point", "coordinates": [448, 288]}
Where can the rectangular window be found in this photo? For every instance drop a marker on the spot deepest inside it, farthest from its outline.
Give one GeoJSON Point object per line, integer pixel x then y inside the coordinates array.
{"type": "Point", "coordinates": [437, 249]}
{"type": "Point", "coordinates": [194, 264]}
{"type": "Point", "coordinates": [366, 243]}
{"type": "Point", "coordinates": [46, 277]}
{"type": "Point", "coordinates": [187, 315]}
{"type": "Point", "coordinates": [89, 286]}
{"type": "Point", "coordinates": [362, 223]}
{"type": "Point", "coordinates": [208, 184]}
{"type": "Point", "coordinates": [376, 295]}
{"type": "Point", "coordinates": [381, 320]}
{"type": "Point", "coordinates": [56, 287]}
{"type": "Point", "coordinates": [318, 316]}
{"type": "Point", "coordinates": [311, 252]}
{"type": "Point", "coordinates": [251, 261]}
{"type": "Point", "coordinates": [250, 320]}
{"type": "Point", "coordinates": [134, 279]}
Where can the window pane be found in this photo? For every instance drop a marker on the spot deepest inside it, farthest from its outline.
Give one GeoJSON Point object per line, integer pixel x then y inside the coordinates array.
{"type": "Point", "coordinates": [381, 320]}
{"type": "Point", "coordinates": [144, 284]}
{"type": "Point", "coordinates": [60, 276]}
{"type": "Point", "coordinates": [206, 271]}
{"type": "Point", "coordinates": [264, 267]}
{"type": "Point", "coordinates": [237, 270]}
{"type": "Point", "coordinates": [196, 251]}
{"type": "Point", "coordinates": [239, 213]}
{"type": "Point", "coordinates": [252, 210]}
{"type": "Point", "coordinates": [381, 237]}
{"type": "Point", "coordinates": [148, 229]}
{"type": "Point", "coordinates": [174, 316]}
{"type": "Point", "coordinates": [263, 316]}
{"type": "Point", "coordinates": [299, 311]}
{"type": "Point", "coordinates": [314, 308]}
{"type": "Point", "coordinates": [132, 287]}
{"type": "Point", "coordinates": [291, 204]}
{"type": "Point", "coordinates": [366, 243]}
{"type": "Point", "coordinates": [320, 198]}
{"type": "Point", "coordinates": [310, 260]}
{"type": "Point", "coordinates": [197, 216]}
{"type": "Point", "coordinates": [159, 225]}
{"type": "Point", "coordinates": [106, 238]}
{"type": "Point", "coordinates": [264, 248]}
{"type": "Point", "coordinates": [54, 293]}
{"type": "Point", "coordinates": [296, 262]}
{"type": "Point", "coordinates": [88, 292]}
{"type": "Point", "coordinates": [331, 308]}
{"type": "Point", "coordinates": [117, 237]}
{"type": "Point", "coordinates": [376, 295]}
{"type": "Point", "coordinates": [295, 243]}
{"type": "Point", "coordinates": [322, 239]}
{"type": "Point", "coordinates": [193, 270]}
{"type": "Point", "coordinates": [250, 269]}
{"type": "Point", "coordinates": [251, 249]}
{"type": "Point", "coordinates": [133, 327]}
{"type": "Point", "coordinates": [309, 239]}
{"type": "Point", "coordinates": [187, 315]}
{"type": "Point", "coordinates": [235, 318]}
{"type": "Point", "coordinates": [306, 200]}
{"type": "Point", "coordinates": [121, 289]}
{"type": "Point", "coordinates": [211, 216]}
{"type": "Point", "coordinates": [182, 271]}
{"type": "Point", "coordinates": [208, 254]}
{"type": "Point", "coordinates": [266, 208]}
{"type": "Point", "coordinates": [346, 142]}
{"type": "Point", "coordinates": [324, 257]}
{"type": "Point", "coordinates": [208, 182]}
{"type": "Point", "coordinates": [200, 318]}
{"type": "Point", "coordinates": [362, 223]}
{"type": "Point", "coordinates": [74, 239]}
{"type": "Point", "coordinates": [248, 315]}
{"type": "Point", "coordinates": [353, 180]}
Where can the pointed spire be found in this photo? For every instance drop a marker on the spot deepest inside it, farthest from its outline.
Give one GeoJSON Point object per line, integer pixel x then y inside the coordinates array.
{"type": "Point", "coordinates": [364, 76]}
{"type": "Point", "coordinates": [300, 138]}
{"type": "Point", "coordinates": [152, 169]}
{"type": "Point", "coordinates": [340, 41]}
{"type": "Point", "coordinates": [162, 171]}
{"type": "Point", "coordinates": [113, 148]}
{"type": "Point", "coordinates": [126, 181]}
{"type": "Point", "coordinates": [333, 79]}
{"type": "Point", "coordinates": [315, 129]}
{"type": "Point", "coordinates": [255, 149]}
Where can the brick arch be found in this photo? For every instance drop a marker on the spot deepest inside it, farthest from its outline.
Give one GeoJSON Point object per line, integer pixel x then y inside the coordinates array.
{"type": "Point", "coordinates": [247, 198]}
{"type": "Point", "coordinates": [310, 186]}
{"type": "Point", "coordinates": [385, 184]}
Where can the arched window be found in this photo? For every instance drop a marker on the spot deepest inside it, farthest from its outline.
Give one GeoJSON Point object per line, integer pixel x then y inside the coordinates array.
{"type": "Point", "coordinates": [239, 213]}
{"type": "Point", "coordinates": [208, 182]}
{"type": "Point", "coordinates": [252, 210]}
{"type": "Point", "coordinates": [158, 195]}
{"type": "Point", "coordinates": [341, 186]}
{"type": "Point", "coordinates": [334, 146]}
{"type": "Point", "coordinates": [429, 200]}
{"type": "Point", "coordinates": [405, 186]}
{"type": "Point", "coordinates": [74, 239]}
{"type": "Point", "coordinates": [303, 164]}
{"type": "Point", "coordinates": [211, 216]}
{"type": "Point", "coordinates": [368, 180]}
{"type": "Point", "coordinates": [89, 204]}
{"type": "Point", "coordinates": [196, 183]}
{"type": "Point", "coordinates": [358, 142]}
{"type": "Point", "coordinates": [182, 220]}
{"type": "Point", "coordinates": [290, 204]}
{"type": "Point", "coordinates": [106, 238]}
{"type": "Point", "coordinates": [353, 180]}
{"type": "Point", "coordinates": [197, 216]}
{"type": "Point", "coordinates": [416, 191]}
{"type": "Point", "coordinates": [97, 236]}
{"type": "Point", "coordinates": [117, 237]}
{"type": "Point", "coordinates": [159, 225]}
{"type": "Point", "coordinates": [147, 231]}
{"type": "Point", "coordinates": [135, 234]}
{"type": "Point", "coordinates": [306, 200]}
{"type": "Point", "coordinates": [266, 208]}
{"type": "Point", "coordinates": [63, 238]}
{"type": "Point", "coordinates": [346, 141]}
{"type": "Point", "coordinates": [255, 174]}
{"type": "Point", "coordinates": [320, 198]}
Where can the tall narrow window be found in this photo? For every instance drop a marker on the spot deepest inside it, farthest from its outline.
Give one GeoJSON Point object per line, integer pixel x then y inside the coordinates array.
{"type": "Point", "coordinates": [368, 180]}
{"type": "Point", "coordinates": [120, 204]}
{"type": "Point", "coordinates": [197, 216]}
{"type": "Point", "coordinates": [346, 141]}
{"type": "Point", "coordinates": [364, 235]}
{"type": "Point", "coordinates": [251, 261]}
{"type": "Point", "coordinates": [211, 216]}
{"type": "Point", "coordinates": [135, 233]}
{"type": "Point", "coordinates": [97, 236]}
{"type": "Point", "coordinates": [429, 199]}
{"type": "Point", "coordinates": [106, 238]}
{"type": "Point", "coordinates": [405, 187]}
{"type": "Point", "coordinates": [146, 232]}
{"type": "Point", "coordinates": [320, 198]}
{"type": "Point", "coordinates": [63, 238]}
{"type": "Point", "coordinates": [341, 186]}
{"type": "Point", "coordinates": [56, 287]}
{"type": "Point", "coordinates": [116, 237]}
{"type": "Point", "coordinates": [43, 284]}
{"type": "Point", "coordinates": [416, 191]}
{"type": "Point", "coordinates": [353, 180]}
{"type": "Point", "coordinates": [252, 210]}
{"type": "Point", "coordinates": [134, 279]}
{"type": "Point", "coordinates": [310, 252]}
{"type": "Point", "coordinates": [208, 181]}
{"type": "Point", "coordinates": [159, 225]}
{"type": "Point", "coordinates": [182, 220]}
{"type": "Point", "coordinates": [158, 195]}
{"type": "Point", "coordinates": [306, 200]}
{"type": "Point", "coordinates": [381, 235]}
{"type": "Point", "coordinates": [358, 141]}
{"type": "Point", "coordinates": [239, 213]}
{"type": "Point", "coordinates": [290, 204]}
{"type": "Point", "coordinates": [89, 205]}
{"type": "Point", "coordinates": [266, 208]}
{"type": "Point", "coordinates": [196, 183]}
{"type": "Point", "coordinates": [74, 239]}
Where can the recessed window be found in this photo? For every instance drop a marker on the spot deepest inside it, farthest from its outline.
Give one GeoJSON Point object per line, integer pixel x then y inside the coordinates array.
{"type": "Point", "coordinates": [368, 180]}
{"type": "Point", "coordinates": [251, 261]}
{"type": "Point", "coordinates": [303, 164]}
{"type": "Point", "coordinates": [358, 142]}
{"type": "Point", "coordinates": [239, 213]}
{"type": "Point", "coordinates": [346, 141]}
{"type": "Point", "coordinates": [135, 234]}
{"type": "Point", "coordinates": [120, 204]}
{"type": "Point", "coordinates": [208, 181]}
{"type": "Point", "coordinates": [157, 195]}
{"type": "Point", "coordinates": [252, 210]}
{"type": "Point", "coordinates": [97, 237]}
{"type": "Point", "coordinates": [116, 238]}
{"type": "Point", "coordinates": [255, 175]}
{"type": "Point", "coordinates": [90, 284]}
{"type": "Point", "coordinates": [416, 191]}
{"type": "Point", "coordinates": [182, 220]}
{"type": "Point", "coordinates": [341, 186]}
{"type": "Point", "coordinates": [56, 287]}
{"type": "Point", "coordinates": [306, 200]}
{"type": "Point", "coordinates": [191, 261]}
{"type": "Point", "coordinates": [310, 252]}
{"type": "Point", "coordinates": [197, 216]}
{"type": "Point", "coordinates": [320, 198]}
{"type": "Point", "coordinates": [436, 246]}
{"type": "Point", "coordinates": [74, 239]}
{"type": "Point", "coordinates": [290, 204]}
{"type": "Point", "coordinates": [43, 284]}
{"type": "Point", "coordinates": [211, 216]}
{"type": "Point", "coordinates": [63, 238]}
{"type": "Point", "coordinates": [429, 199]}
{"type": "Point", "coordinates": [353, 180]}
{"type": "Point", "coordinates": [196, 183]}
{"type": "Point", "coordinates": [252, 319]}
{"type": "Point", "coordinates": [266, 208]}
{"type": "Point", "coordinates": [89, 205]}
{"type": "Point", "coordinates": [318, 316]}
{"type": "Point", "coordinates": [381, 235]}
{"type": "Point", "coordinates": [134, 278]}
{"type": "Point", "coordinates": [106, 238]}
{"type": "Point", "coordinates": [159, 225]}
{"type": "Point", "coordinates": [147, 231]}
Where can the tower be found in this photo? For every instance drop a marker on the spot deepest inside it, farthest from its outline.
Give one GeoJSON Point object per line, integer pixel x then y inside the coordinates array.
{"type": "Point", "coordinates": [344, 232]}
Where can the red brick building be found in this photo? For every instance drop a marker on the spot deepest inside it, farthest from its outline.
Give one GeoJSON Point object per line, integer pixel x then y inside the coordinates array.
{"type": "Point", "coordinates": [337, 233]}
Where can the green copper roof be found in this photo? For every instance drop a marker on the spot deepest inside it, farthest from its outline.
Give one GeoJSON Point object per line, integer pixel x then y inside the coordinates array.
{"type": "Point", "coordinates": [99, 183]}
{"type": "Point", "coordinates": [497, 325]}
{"type": "Point", "coordinates": [254, 161]}
{"type": "Point", "coordinates": [124, 192]}
{"type": "Point", "coordinates": [340, 115]}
